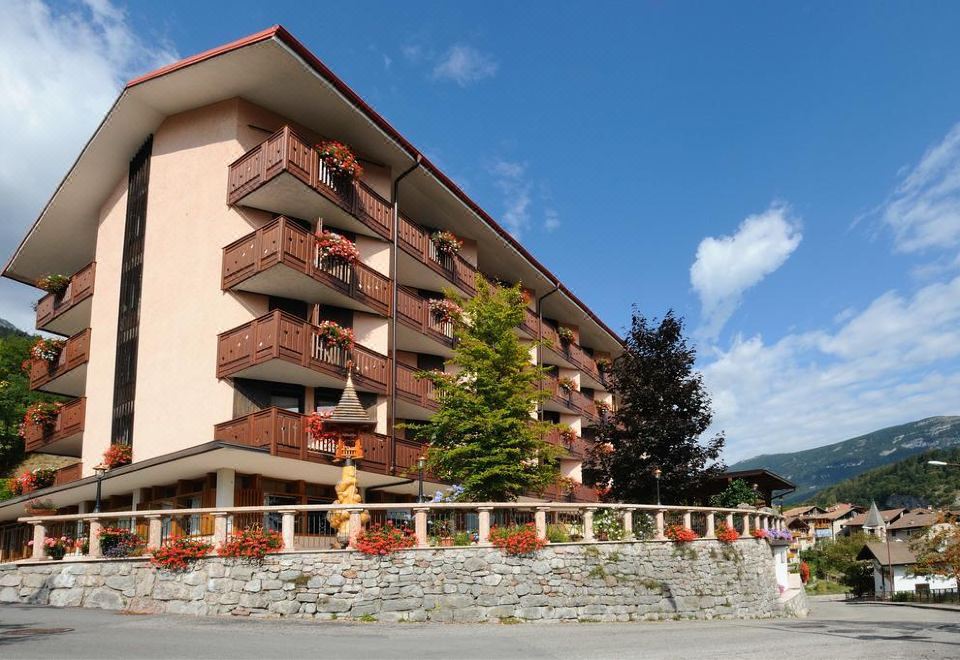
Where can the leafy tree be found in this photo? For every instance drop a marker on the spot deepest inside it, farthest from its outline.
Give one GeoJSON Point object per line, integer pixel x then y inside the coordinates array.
{"type": "Point", "coordinates": [483, 436]}
{"type": "Point", "coordinates": [836, 560]}
{"type": "Point", "coordinates": [15, 396]}
{"type": "Point", "coordinates": [938, 551]}
{"type": "Point", "coordinates": [661, 413]}
{"type": "Point", "coordinates": [738, 492]}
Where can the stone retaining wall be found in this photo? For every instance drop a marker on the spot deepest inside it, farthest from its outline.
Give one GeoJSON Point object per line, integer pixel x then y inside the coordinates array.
{"type": "Point", "coordinates": [620, 581]}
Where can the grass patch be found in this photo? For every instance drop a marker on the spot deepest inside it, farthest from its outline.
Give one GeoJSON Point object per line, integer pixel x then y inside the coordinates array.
{"type": "Point", "coordinates": [510, 620]}
{"type": "Point", "coordinates": [823, 587]}
{"type": "Point", "coordinates": [598, 572]}
{"type": "Point", "coordinates": [367, 618]}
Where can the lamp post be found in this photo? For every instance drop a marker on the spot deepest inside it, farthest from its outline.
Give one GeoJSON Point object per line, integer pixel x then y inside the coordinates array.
{"type": "Point", "coordinates": [421, 462]}
{"type": "Point", "coordinates": [656, 475]}
{"type": "Point", "coordinates": [99, 471]}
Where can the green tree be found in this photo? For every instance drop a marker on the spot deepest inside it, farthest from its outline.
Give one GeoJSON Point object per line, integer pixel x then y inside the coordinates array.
{"type": "Point", "coordinates": [736, 493]}
{"type": "Point", "coordinates": [938, 550]}
{"type": "Point", "coordinates": [836, 560]}
{"type": "Point", "coordinates": [483, 436]}
{"type": "Point", "coordinates": [15, 396]}
{"type": "Point", "coordinates": [662, 410]}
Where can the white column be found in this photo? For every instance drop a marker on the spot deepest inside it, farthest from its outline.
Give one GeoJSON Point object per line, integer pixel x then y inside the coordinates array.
{"type": "Point", "coordinates": [483, 533]}
{"type": "Point", "coordinates": [287, 523]}
{"type": "Point", "coordinates": [226, 479]}
{"type": "Point", "coordinates": [155, 533]}
{"type": "Point", "coordinates": [39, 536]}
{"type": "Point", "coordinates": [94, 543]}
{"type": "Point", "coordinates": [628, 523]}
{"type": "Point", "coordinates": [711, 526]}
{"type": "Point", "coordinates": [588, 524]}
{"type": "Point", "coordinates": [220, 529]}
{"type": "Point", "coordinates": [660, 525]}
{"type": "Point", "coordinates": [420, 526]}
{"type": "Point", "coordinates": [540, 521]}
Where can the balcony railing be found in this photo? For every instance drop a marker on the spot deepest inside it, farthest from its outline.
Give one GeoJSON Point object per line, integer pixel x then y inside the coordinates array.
{"type": "Point", "coordinates": [60, 437]}
{"type": "Point", "coordinates": [574, 400]}
{"type": "Point", "coordinates": [285, 152]}
{"type": "Point", "coordinates": [570, 351]}
{"type": "Point", "coordinates": [577, 448]}
{"type": "Point", "coordinates": [282, 338]}
{"type": "Point", "coordinates": [63, 376]}
{"type": "Point", "coordinates": [418, 391]}
{"type": "Point", "coordinates": [415, 241]}
{"type": "Point", "coordinates": [576, 493]}
{"type": "Point", "coordinates": [69, 312]}
{"type": "Point", "coordinates": [413, 310]}
{"type": "Point", "coordinates": [284, 433]}
{"type": "Point", "coordinates": [251, 264]}
{"type": "Point", "coordinates": [68, 474]}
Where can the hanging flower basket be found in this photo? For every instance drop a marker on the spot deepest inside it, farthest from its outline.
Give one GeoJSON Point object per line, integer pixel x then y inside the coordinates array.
{"type": "Point", "coordinates": [604, 365]}
{"type": "Point", "coordinates": [566, 335]}
{"type": "Point", "coordinates": [55, 284]}
{"type": "Point", "coordinates": [31, 480]}
{"type": "Point", "coordinates": [446, 242]}
{"type": "Point", "coordinates": [340, 158]}
{"type": "Point", "coordinates": [566, 385]}
{"type": "Point", "coordinates": [47, 350]}
{"type": "Point", "coordinates": [331, 245]}
{"type": "Point", "coordinates": [445, 311]}
{"type": "Point", "coordinates": [334, 334]}
{"type": "Point", "coordinates": [118, 456]}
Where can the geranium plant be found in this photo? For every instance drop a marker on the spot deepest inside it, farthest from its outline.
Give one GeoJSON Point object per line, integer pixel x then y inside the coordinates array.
{"type": "Point", "coordinates": [56, 547]}
{"type": "Point", "coordinates": [566, 384]}
{"type": "Point", "coordinates": [179, 553]}
{"type": "Point", "coordinates": [446, 242]}
{"type": "Point", "coordinates": [117, 456]}
{"type": "Point", "coordinates": [339, 157]}
{"type": "Point", "coordinates": [566, 335]}
{"type": "Point", "coordinates": [40, 507]}
{"type": "Point", "coordinates": [316, 429]}
{"type": "Point", "coordinates": [516, 539]}
{"type": "Point", "coordinates": [680, 534]}
{"type": "Point", "coordinates": [604, 365]}
{"type": "Point", "coordinates": [53, 283]}
{"type": "Point", "coordinates": [445, 311]}
{"type": "Point", "coordinates": [47, 350]}
{"type": "Point", "coordinates": [42, 413]}
{"type": "Point", "coordinates": [335, 334]}
{"type": "Point", "coordinates": [384, 539]}
{"type": "Point", "coordinates": [758, 533]}
{"type": "Point", "coordinates": [253, 543]}
{"type": "Point", "coordinates": [331, 245]}
{"type": "Point", "coordinates": [568, 437]}
{"type": "Point", "coordinates": [726, 533]}
{"type": "Point", "coordinates": [31, 480]}
{"type": "Point", "coordinates": [116, 542]}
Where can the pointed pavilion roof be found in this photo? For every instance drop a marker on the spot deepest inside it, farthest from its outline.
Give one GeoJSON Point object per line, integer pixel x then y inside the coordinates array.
{"type": "Point", "coordinates": [874, 519]}
{"type": "Point", "coordinates": [349, 410]}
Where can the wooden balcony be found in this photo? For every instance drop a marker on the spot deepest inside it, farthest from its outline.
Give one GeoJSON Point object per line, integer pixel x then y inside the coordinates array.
{"type": "Point", "coordinates": [282, 259]}
{"type": "Point", "coordinates": [68, 474]}
{"type": "Point", "coordinates": [415, 396]}
{"type": "Point", "coordinates": [424, 267]}
{"type": "Point", "coordinates": [565, 354]}
{"type": "Point", "coordinates": [576, 449]}
{"type": "Point", "coordinates": [283, 348]}
{"type": "Point", "coordinates": [418, 330]}
{"type": "Point", "coordinates": [283, 433]}
{"type": "Point", "coordinates": [68, 374]}
{"type": "Point", "coordinates": [63, 437]}
{"type": "Point", "coordinates": [285, 175]}
{"type": "Point", "coordinates": [570, 402]}
{"type": "Point", "coordinates": [68, 313]}
{"type": "Point", "coordinates": [581, 493]}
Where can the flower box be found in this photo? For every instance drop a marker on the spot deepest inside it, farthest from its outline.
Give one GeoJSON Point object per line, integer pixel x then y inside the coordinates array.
{"type": "Point", "coordinates": [340, 158]}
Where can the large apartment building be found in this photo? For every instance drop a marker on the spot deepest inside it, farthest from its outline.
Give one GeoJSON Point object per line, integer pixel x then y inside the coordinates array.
{"type": "Point", "coordinates": [189, 227]}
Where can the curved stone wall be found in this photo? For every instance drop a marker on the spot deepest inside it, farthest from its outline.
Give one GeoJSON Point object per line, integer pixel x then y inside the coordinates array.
{"type": "Point", "coordinates": [617, 581]}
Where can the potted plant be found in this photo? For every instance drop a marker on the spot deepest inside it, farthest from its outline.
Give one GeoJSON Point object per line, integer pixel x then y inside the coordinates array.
{"type": "Point", "coordinates": [47, 350]}
{"type": "Point", "coordinates": [726, 534]}
{"type": "Point", "coordinates": [54, 283]}
{"type": "Point", "coordinates": [179, 553]}
{"type": "Point", "coordinates": [334, 334]}
{"type": "Point", "coordinates": [384, 539]}
{"type": "Point", "coordinates": [42, 413]}
{"type": "Point", "coordinates": [55, 547]}
{"type": "Point", "coordinates": [680, 534]}
{"type": "Point", "coordinates": [442, 533]}
{"type": "Point", "coordinates": [603, 408]}
{"type": "Point", "coordinates": [568, 437]}
{"type": "Point", "coordinates": [41, 507]}
{"type": "Point", "coordinates": [117, 456]}
{"type": "Point", "coordinates": [604, 364]}
{"type": "Point", "coordinates": [567, 385]}
{"type": "Point", "coordinates": [566, 335]}
{"type": "Point", "coordinates": [516, 539]}
{"type": "Point", "coordinates": [446, 242]}
{"type": "Point", "coordinates": [252, 543]}
{"type": "Point", "coordinates": [340, 158]}
{"type": "Point", "coordinates": [331, 245]}
{"type": "Point", "coordinates": [118, 542]}
{"type": "Point", "coordinates": [444, 310]}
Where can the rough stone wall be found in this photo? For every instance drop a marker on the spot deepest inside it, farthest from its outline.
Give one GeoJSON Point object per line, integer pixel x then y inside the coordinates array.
{"type": "Point", "coordinates": [574, 582]}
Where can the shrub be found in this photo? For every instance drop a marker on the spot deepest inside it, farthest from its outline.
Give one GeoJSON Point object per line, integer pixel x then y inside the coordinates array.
{"type": "Point", "coordinates": [463, 538]}
{"type": "Point", "coordinates": [118, 542]}
{"type": "Point", "coordinates": [558, 534]}
{"type": "Point", "coordinates": [680, 534]}
{"type": "Point", "coordinates": [516, 539]}
{"type": "Point", "coordinates": [727, 534]}
{"type": "Point", "coordinates": [384, 539]}
{"type": "Point", "coordinates": [179, 552]}
{"type": "Point", "coordinates": [253, 542]}
{"type": "Point", "coordinates": [607, 525]}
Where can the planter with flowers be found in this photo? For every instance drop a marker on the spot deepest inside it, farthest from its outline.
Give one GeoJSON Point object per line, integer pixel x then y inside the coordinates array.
{"type": "Point", "coordinates": [118, 456]}
{"type": "Point", "coordinates": [179, 553]}
{"type": "Point", "coordinates": [48, 350]}
{"type": "Point", "coordinates": [252, 543]}
{"type": "Point", "coordinates": [516, 539]}
{"type": "Point", "coordinates": [446, 243]}
{"type": "Point", "coordinates": [566, 385]}
{"type": "Point", "coordinates": [31, 480]}
{"type": "Point", "coordinates": [444, 310]}
{"type": "Point", "coordinates": [680, 534]}
{"type": "Point", "coordinates": [778, 537]}
{"type": "Point", "coordinates": [333, 248]}
{"type": "Point", "coordinates": [566, 335]}
{"type": "Point", "coordinates": [321, 439]}
{"type": "Point", "coordinates": [55, 547]}
{"type": "Point", "coordinates": [568, 437]}
{"type": "Point", "coordinates": [340, 158]}
{"type": "Point", "coordinates": [38, 507]}
{"type": "Point", "coordinates": [54, 283]}
{"type": "Point", "coordinates": [604, 365]}
{"type": "Point", "coordinates": [333, 334]}
{"type": "Point", "coordinates": [43, 414]}
{"type": "Point", "coordinates": [726, 534]}
{"type": "Point", "coordinates": [384, 539]}
{"type": "Point", "coordinates": [117, 542]}
{"type": "Point", "coordinates": [603, 408]}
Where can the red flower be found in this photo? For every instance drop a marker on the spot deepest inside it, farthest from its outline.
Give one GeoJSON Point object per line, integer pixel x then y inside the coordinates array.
{"type": "Point", "coordinates": [516, 540]}
{"type": "Point", "coordinates": [179, 552]}
{"type": "Point", "coordinates": [253, 542]}
{"type": "Point", "coordinates": [727, 534]}
{"type": "Point", "coordinates": [384, 539]}
{"type": "Point", "coordinates": [680, 534]}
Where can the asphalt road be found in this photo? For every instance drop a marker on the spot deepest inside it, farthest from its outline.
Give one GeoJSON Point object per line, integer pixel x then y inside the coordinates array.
{"type": "Point", "coordinates": [834, 630]}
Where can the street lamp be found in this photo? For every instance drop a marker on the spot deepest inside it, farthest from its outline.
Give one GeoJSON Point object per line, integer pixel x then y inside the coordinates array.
{"type": "Point", "coordinates": [421, 462]}
{"type": "Point", "coordinates": [99, 471]}
{"type": "Point", "coordinates": [656, 475]}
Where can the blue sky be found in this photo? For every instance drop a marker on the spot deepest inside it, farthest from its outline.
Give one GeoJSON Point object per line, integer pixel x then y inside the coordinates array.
{"type": "Point", "coordinates": [783, 175]}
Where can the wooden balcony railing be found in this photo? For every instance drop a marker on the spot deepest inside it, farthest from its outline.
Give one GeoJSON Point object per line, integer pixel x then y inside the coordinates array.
{"type": "Point", "coordinates": [416, 390]}
{"type": "Point", "coordinates": [282, 242]}
{"type": "Point", "coordinates": [415, 241]}
{"type": "Point", "coordinates": [75, 353]}
{"type": "Point", "coordinates": [577, 448]}
{"type": "Point", "coordinates": [284, 433]}
{"type": "Point", "coordinates": [573, 352]}
{"type": "Point", "coordinates": [579, 493]}
{"type": "Point", "coordinates": [68, 474]}
{"type": "Point", "coordinates": [69, 422]}
{"type": "Point", "coordinates": [282, 336]}
{"type": "Point", "coordinates": [287, 152]}
{"type": "Point", "coordinates": [413, 310]}
{"type": "Point", "coordinates": [53, 307]}
{"type": "Point", "coordinates": [574, 400]}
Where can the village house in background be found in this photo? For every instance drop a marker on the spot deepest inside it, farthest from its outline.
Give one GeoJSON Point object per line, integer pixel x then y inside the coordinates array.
{"type": "Point", "coordinates": [898, 556]}
{"type": "Point", "coordinates": [229, 257]}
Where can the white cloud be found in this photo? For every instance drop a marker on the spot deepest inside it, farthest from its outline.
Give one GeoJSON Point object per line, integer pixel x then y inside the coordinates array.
{"type": "Point", "coordinates": [894, 361]}
{"type": "Point", "coordinates": [464, 65]}
{"type": "Point", "coordinates": [511, 179]}
{"type": "Point", "coordinates": [924, 210]}
{"type": "Point", "coordinates": [60, 69]}
{"type": "Point", "coordinates": [551, 220]}
{"type": "Point", "coordinates": [726, 266]}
